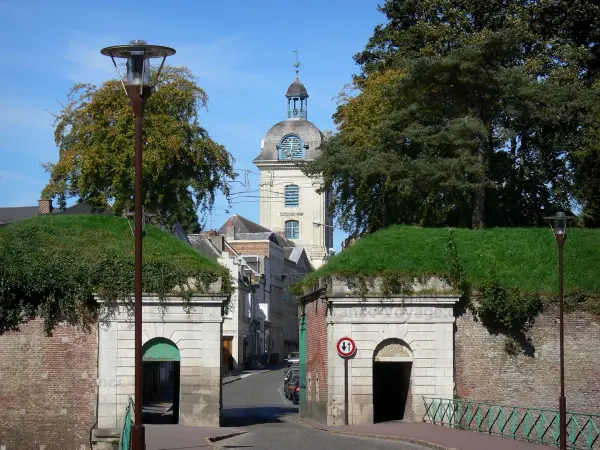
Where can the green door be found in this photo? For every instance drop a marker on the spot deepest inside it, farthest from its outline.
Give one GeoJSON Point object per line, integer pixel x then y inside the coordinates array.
{"type": "Point", "coordinates": [302, 363]}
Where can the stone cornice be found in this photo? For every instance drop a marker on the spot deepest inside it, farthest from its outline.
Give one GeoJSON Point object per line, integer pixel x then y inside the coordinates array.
{"type": "Point", "coordinates": [397, 300]}
{"type": "Point", "coordinates": [277, 165]}
{"type": "Point", "coordinates": [198, 300]}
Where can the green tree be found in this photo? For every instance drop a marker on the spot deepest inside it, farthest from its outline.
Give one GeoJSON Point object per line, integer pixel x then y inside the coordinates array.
{"type": "Point", "coordinates": [481, 129]}
{"type": "Point", "coordinates": [183, 168]}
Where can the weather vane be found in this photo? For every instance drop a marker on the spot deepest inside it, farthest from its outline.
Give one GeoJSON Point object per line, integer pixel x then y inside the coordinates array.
{"type": "Point", "coordinates": [297, 64]}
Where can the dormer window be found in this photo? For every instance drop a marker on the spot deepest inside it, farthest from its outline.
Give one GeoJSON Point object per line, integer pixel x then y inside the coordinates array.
{"type": "Point", "coordinates": [291, 147]}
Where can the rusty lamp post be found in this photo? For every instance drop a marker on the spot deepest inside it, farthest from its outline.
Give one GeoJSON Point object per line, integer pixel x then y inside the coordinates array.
{"type": "Point", "coordinates": [138, 87]}
{"type": "Point", "coordinates": [559, 227]}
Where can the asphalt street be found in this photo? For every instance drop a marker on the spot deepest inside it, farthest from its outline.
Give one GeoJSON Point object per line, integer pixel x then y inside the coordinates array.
{"type": "Point", "coordinates": [257, 404]}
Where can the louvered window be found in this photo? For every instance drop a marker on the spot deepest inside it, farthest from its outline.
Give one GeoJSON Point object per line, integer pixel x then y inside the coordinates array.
{"type": "Point", "coordinates": [291, 195]}
{"type": "Point", "coordinates": [292, 229]}
{"type": "Point", "coordinates": [291, 147]}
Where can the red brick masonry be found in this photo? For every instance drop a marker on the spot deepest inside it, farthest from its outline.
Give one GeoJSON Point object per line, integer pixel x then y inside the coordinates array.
{"type": "Point", "coordinates": [47, 387]}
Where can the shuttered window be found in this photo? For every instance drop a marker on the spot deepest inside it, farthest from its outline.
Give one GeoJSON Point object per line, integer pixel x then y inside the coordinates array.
{"type": "Point", "coordinates": [291, 147]}
{"type": "Point", "coordinates": [291, 195]}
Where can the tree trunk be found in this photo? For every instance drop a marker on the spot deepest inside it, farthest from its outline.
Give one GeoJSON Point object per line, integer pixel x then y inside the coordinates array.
{"type": "Point", "coordinates": [478, 217]}
{"type": "Point", "coordinates": [479, 197]}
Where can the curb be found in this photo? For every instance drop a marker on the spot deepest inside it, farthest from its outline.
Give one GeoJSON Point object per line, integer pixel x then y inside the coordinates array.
{"type": "Point", "coordinates": [231, 381]}
{"type": "Point", "coordinates": [408, 440]}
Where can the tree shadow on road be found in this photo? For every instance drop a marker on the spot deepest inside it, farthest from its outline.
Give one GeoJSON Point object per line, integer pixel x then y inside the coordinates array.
{"type": "Point", "coordinates": [255, 415]}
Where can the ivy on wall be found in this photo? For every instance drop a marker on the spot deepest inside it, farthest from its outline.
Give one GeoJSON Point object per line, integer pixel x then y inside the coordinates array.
{"type": "Point", "coordinates": [57, 267]}
{"type": "Point", "coordinates": [504, 276]}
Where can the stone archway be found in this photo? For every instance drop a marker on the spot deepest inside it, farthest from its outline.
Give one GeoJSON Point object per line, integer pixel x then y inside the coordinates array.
{"type": "Point", "coordinates": [161, 381]}
{"type": "Point", "coordinates": [392, 367]}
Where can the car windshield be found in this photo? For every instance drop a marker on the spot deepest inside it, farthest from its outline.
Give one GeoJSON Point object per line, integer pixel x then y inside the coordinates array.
{"type": "Point", "coordinates": [295, 355]}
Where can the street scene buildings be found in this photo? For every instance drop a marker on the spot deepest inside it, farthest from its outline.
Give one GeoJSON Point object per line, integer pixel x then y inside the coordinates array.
{"type": "Point", "coordinates": [370, 253]}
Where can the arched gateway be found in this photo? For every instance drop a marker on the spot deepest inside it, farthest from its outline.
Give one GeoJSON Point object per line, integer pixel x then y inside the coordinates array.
{"type": "Point", "coordinates": [392, 367]}
{"type": "Point", "coordinates": [161, 381]}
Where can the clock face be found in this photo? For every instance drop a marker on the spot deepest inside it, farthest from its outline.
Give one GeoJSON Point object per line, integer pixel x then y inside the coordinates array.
{"type": "Point", "coordinates": [291, 147]}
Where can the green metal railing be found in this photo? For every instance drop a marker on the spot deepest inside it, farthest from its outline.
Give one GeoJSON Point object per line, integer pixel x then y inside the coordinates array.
{"type": "Point", "coordinates": [125, 443]}
{"type": "Point", "coordinates": [528, 424]}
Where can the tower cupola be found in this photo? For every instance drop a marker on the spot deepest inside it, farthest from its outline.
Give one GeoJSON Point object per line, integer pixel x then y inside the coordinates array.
{"type": "Point", "coordinates": [297, 96]}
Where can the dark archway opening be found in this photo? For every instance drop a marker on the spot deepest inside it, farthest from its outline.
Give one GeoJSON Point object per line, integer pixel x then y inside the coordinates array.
{"type": "Point", "coordinates": [160, 392]}
{"type": "Point", "coordinates": [160, 382]}
{"type": "Point", "coordinates": [391, 385]}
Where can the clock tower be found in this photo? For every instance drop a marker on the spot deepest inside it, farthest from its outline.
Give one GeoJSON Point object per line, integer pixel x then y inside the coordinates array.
{"type": "Point", "coordinates": [289, 201]}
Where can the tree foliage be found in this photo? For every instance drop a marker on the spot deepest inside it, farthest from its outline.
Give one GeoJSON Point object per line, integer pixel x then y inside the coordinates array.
{"type": "Point", "coordinates": [183, 168]}
{"type": "Point", "coordinates": [467, 113]}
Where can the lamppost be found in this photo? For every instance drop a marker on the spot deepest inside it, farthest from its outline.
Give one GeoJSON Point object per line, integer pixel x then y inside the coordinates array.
{"type": "Point", "coordinates": [138, 88]}
{"type": "Point", "coordinates": [559, 227]}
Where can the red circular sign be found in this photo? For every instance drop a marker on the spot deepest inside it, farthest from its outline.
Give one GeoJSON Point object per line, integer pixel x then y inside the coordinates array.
{"type": "Point", "coordinates": [346, 347]}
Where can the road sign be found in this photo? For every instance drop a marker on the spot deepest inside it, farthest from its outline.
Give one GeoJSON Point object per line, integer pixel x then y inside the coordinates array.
{"type": "Point", "coordinates": [346, 347]}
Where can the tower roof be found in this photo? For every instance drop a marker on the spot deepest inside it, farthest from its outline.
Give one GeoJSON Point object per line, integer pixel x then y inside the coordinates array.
{"type": "Point", "coordinates": [296, 89]}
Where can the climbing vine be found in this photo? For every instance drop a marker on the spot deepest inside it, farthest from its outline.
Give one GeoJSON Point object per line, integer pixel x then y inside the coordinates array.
{"type": "Point", "coordinates": [77, 269]}
{"type": "Point", "coordinates": [505, 277]}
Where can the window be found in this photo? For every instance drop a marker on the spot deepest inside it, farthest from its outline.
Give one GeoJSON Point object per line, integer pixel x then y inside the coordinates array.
{"type": "Point", "coordinates": [292, 229]}
{"type": "Point", "coordinates": [291, 147]}
{"type": "Point", "coordinates": [291, 195]}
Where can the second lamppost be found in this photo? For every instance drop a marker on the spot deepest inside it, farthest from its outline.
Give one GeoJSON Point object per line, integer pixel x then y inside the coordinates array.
{"type": "Point", "coordinates": [138, 86]}
{"type": "Point", "coordinates": [559, 227]}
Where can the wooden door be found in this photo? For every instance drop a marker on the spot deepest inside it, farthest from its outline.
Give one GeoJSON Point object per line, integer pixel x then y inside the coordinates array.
{"type": "Point", "coordinates": [227, 349]}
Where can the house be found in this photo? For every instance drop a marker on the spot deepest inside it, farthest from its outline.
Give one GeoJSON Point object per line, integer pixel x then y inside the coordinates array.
{"type": "Point", "coordinates": [263, 317]}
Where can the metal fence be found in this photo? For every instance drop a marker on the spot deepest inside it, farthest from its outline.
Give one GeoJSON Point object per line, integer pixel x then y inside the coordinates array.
{"type": "Point", "coordinates": [528, 424]}
{"type": "Point", "coordinates": [125, 442]}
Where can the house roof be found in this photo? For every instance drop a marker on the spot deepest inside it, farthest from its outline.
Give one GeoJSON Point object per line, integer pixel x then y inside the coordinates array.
{"type": "Point", "coordinates": [12, 214]}
{"type": "Point", "coordinates": [202, 243]}
{"type": "Point", "coordinates": [85, 208]}
{"type": "Point", "coordinates": [242, 225]}
{"type": "Point", "coordinates": [283, 241]}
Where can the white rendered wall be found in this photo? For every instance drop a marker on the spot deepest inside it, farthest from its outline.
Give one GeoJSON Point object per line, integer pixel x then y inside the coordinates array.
{"type": "Point", "coordinates": [424, 324]}
{"type": "Point", "coordinates": [311, 208]}
{"type": "Point", "coordinates": [197, 335]}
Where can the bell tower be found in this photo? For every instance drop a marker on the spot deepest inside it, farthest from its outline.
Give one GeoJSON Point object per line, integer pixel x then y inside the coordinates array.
{"type": "Point", "coordinates": [289, 201]}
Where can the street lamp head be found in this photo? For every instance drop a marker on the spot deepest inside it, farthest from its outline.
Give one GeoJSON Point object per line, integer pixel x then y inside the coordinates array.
{"type": "Point", "coordinates": [558, 223]}
{"type": "Point", "coordinates": [316, 224]}
{"type": "Point", "coordinates": [138, 54]}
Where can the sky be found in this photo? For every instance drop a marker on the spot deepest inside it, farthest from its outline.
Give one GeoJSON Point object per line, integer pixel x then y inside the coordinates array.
{"type": "Point", "coordinates": [242, 53]}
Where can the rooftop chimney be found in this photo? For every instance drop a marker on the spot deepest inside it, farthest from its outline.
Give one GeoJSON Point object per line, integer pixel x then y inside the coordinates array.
{"type": "Point", "coordinates": [230, 231]}
{"type": "Point", "coordinates": [45, 206]}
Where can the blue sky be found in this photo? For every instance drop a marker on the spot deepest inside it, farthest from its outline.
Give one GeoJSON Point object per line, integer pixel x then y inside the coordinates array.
{"type": "Point", "coordinates": [240, 51]}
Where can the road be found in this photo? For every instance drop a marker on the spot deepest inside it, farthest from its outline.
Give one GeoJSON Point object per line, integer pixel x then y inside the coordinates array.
{"type": "Point", "coordinates": [257, 404]}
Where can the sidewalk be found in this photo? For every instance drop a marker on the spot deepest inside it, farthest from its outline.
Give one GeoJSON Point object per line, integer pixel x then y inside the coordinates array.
{"type": "Point", "coordinates": [170, 437]}
{"type": "Point", "coordinates": [431, 436]}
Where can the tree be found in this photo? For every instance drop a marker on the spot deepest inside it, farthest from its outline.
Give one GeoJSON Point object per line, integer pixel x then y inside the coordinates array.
{"type": "Point", "coordinates": [183, 168]}
{"type": "Point", "coordinates": [480, 127]}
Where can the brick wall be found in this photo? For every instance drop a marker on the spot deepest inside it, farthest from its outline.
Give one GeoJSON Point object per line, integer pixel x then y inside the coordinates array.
{"type": "Point", "coordinates": [484, 372]}
{"type": "Point", "coordinates": [260, 248]}
{"type": "Point", "coordinates": [316, 360]}
{"type": "Point", "coordinates": [47, 388]}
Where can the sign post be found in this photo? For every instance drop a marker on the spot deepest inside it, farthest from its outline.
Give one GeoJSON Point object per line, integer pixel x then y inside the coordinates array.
{"type": "Point", "coordinates": [346, 349]}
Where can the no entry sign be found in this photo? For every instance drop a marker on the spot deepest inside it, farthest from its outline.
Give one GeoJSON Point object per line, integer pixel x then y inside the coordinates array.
{"type": "Point", "coordinates": [346, 347]}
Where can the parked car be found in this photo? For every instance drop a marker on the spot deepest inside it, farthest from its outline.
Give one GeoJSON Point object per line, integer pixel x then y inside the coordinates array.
{"type": "Point", "coordinates": [293, 358]}
{"type": "Point", "coordinates": [296, 397]}
{"type": "Point", "coordinates": [292, 370]}
{"type": "Point", "coordinates": [290, 386]}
